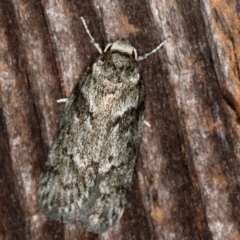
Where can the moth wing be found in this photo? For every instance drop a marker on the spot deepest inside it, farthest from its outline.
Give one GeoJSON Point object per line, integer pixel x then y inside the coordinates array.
{"type": "Point", "coordinates": [116, 168]}
{"type": "Point", "coordinates": [69, 183]}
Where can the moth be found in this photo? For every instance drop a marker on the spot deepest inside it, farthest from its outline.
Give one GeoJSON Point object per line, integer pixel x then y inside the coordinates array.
{"type": "Point", "coordinates": [90, 166]}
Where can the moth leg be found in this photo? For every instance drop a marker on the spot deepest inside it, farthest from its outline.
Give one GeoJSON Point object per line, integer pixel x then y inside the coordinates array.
{"type": "Point", "coordinates": [62, 100]}
{"type": "Point", "coordinates": [144, 56]}
{"type": "Point", "coordinates": [93, 41]}
{"type": "Point", "coordinates": [147, 123]}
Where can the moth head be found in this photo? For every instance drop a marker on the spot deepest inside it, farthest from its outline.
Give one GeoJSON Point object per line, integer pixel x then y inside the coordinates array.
{"type": "Point", "coordinates": [122, 47]}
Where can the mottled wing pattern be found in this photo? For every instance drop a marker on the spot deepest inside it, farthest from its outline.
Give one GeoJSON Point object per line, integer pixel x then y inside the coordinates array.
{"type": "Point", "coordinates": [70, 179]}
{"type": "Point", "coordinates": [90, 166]}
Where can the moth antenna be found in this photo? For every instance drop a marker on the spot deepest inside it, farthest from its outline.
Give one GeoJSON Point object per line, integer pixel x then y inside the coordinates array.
{"type": "Point", "coordinates": [144, 56]}
{"type": "Point", "coordinates": [93, 41]}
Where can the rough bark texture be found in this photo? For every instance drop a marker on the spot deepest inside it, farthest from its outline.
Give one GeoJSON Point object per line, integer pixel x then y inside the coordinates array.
{"type": "Point", "coordinates": [187, 178]}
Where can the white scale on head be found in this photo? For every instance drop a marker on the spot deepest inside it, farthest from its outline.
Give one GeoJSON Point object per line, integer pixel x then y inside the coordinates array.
{"type": "Point", "coordinates": [122, 47]}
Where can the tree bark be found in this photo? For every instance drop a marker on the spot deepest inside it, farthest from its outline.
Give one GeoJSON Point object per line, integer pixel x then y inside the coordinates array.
{"type": "Point", "coordinates": [186, 183]}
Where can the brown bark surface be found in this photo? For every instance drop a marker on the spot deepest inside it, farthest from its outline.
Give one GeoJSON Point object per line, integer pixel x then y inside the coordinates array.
{"type": "Point", "coordinates": [186, 183]}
